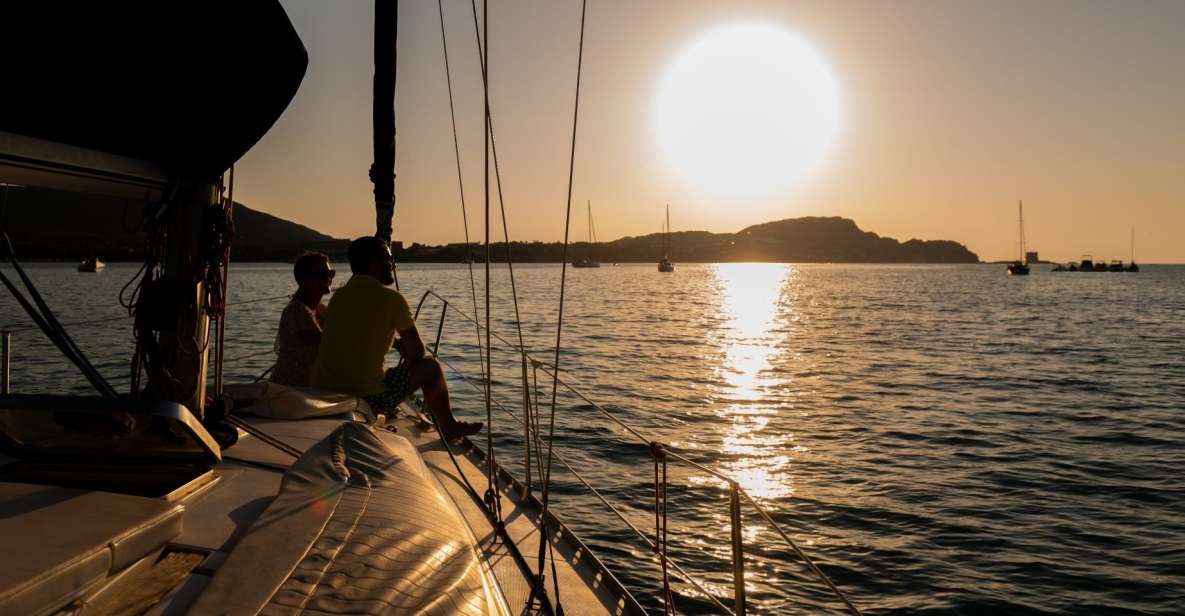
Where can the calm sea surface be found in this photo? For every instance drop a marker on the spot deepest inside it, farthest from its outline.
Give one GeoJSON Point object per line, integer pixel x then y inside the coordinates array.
{"type": "Point", "coordinates": [943, 440]}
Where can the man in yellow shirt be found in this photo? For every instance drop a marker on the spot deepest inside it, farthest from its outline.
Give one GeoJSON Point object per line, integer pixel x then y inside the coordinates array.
{"type": "Point", "coordinates": [360, 328]}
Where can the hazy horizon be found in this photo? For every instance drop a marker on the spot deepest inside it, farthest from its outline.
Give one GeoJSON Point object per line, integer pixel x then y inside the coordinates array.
{"type": "Point", "coordinates": [946, 115]}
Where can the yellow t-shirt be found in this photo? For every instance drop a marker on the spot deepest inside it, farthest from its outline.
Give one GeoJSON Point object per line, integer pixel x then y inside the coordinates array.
{"type": "Point", "coordinates": [360, 327]}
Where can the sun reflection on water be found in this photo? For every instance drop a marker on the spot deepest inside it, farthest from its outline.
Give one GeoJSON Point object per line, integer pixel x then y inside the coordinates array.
{"type": "Point", "coordinates": [757, 455]}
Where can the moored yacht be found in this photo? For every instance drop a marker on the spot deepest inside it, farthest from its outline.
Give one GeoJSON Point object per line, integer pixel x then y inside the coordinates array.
{"type": "Point", "coordinates": [1020, 267]}
{"type": "Point", "coordinates": [664, 264]}
{"type": "Point", "coordinates": [588, 261]}
{"type": "Point", "coordinates": [91, 264]}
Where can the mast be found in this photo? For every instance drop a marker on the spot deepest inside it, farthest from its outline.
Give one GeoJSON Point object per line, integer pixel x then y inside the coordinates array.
{"type": "Point", "coordinates": [382, 172]}
{"type": "Point", "coordinates": [666, 234]}
{"type": "Point", "coordinates": [1021, 206]}
{"type": "Point", "coordinates": [1132, 255]}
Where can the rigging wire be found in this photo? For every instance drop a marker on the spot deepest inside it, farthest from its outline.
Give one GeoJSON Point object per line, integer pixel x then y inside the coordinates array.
{"type": "Point", "coordinates": [505, 227]}
{"type": "Point", "coordinates": [563, 280]}
{"type": "Point", "coordinates": [596, 493]}
{"type": "Point", "coordinates": [460, 181]}
{"type": "Point", "coordinates": [506, 236]}
{"type": "Point", "coordinates": [549, 370]}
{"type": "Point", "coordinates": [492, 496]}
{"type": "Point", "coordinates": [41, 314]}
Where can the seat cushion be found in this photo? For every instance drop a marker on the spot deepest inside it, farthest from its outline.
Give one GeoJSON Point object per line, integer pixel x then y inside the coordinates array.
{"type": "Point", "coordinates": [59, 542]}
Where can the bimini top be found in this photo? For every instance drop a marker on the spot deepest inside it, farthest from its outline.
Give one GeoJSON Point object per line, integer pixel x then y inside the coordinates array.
{"type": "Point", "coordinates": [188, 85]}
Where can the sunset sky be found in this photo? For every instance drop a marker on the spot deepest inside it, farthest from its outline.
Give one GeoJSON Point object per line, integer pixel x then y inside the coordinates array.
{"type": "Point", "coordinates": [915, 119]}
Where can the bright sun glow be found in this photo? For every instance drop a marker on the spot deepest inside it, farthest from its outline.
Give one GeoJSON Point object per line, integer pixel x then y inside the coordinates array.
{"type": "Point", "coordinates": [747, 109]}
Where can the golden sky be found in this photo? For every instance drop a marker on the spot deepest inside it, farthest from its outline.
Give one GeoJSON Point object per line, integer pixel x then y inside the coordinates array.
{"type": "Point", "coordinates": [949, 112]}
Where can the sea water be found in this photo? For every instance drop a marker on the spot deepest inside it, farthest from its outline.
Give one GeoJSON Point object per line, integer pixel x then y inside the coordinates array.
{"type": "Point", "coordinates": [941, 439]}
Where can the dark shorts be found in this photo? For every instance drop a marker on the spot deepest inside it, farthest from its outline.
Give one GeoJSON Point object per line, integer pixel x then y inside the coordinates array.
{"type": "Point", "coordinates": [396, 388]}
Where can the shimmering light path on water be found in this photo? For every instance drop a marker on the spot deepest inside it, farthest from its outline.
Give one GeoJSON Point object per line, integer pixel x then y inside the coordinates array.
{"type": "Point", "coordinates": [945, 440]}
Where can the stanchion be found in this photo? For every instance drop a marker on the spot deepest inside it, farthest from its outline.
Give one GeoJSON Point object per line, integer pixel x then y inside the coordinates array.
{"type": "Point", "coordinates": [6, 363]}
{"type": "Point", "coordinates": [738, 548]}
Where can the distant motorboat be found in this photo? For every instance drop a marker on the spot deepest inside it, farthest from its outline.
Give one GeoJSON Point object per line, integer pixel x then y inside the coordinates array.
{"type": "Point", "coordinates": [1062, 268]}
{"type": "Point", "coordinates": [664, 264]}
{"type": "Point", "coordinates": [1086, 265]}
{"type": "Point", "coordinates": [1116, 266]}
{"type": "Point", "coordinates": [1020, 267]}
{"type": "Point", "coordinates": [91, 264]}
{"type": "Point", "coordinates": [586, 262]}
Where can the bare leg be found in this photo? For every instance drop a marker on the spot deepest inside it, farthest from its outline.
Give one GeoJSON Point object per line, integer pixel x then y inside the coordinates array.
{"type": "Point", "coordinates": [427, 375]}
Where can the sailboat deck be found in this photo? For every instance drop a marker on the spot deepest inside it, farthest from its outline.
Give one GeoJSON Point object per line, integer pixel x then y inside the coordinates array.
{"type": "Point", "coordinates": [586, 587]}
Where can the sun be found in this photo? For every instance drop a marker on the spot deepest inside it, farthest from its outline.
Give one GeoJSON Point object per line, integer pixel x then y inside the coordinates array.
{"type": "Point", "coordinates": [747, 109]}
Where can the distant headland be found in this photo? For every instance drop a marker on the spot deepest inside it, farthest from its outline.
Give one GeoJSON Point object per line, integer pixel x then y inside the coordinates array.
{"type": "Point", "coordinates": [57, 225]}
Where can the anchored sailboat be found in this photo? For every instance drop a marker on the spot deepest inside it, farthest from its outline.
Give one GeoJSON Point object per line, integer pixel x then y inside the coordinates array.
{"type": "Point", "coordinates": [664, 264]}
{"type": "Point", "coordinates": [1020, 267]}
{"type": "Point", "coordinates": [588, 260]}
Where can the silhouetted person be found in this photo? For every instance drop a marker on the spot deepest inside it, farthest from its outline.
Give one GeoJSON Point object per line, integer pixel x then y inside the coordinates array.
{"type": "Point", "coordinates": [361, 324]}
{"type": "Point", "coordinates": [302, 322]}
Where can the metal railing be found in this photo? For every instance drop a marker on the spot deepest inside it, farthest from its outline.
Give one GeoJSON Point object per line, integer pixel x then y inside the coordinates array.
{"type": "Point", "coordinates": [736, 493]}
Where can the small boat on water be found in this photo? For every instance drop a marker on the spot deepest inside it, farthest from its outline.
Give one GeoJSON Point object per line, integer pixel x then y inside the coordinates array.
{"type": "Point", "coordinates": [1116, 266]}
{"type": "Point", "coordinates": [589, 261]}
{"type": "Point", "coordinates": [664, 264]}
{"type": "Point", "coordinates": [1086, 264]}
{"type": "Point", "coordinates": [1062, 268]}
{"type": "Point", "coordinates": [1020, 267]}
{"type": "Point", "coordinates": [91, 264]}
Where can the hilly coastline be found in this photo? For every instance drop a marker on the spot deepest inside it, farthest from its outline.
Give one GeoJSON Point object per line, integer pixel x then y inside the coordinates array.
{"type": "Point", "coordinates": [45, 224]}
{"type": "Point", "coordinates": [58, 225]}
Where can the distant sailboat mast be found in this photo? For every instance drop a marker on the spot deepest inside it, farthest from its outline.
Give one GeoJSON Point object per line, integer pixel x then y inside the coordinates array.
{"type": "Point", "coordinates": [1020, 267]}
{"type": "Point", "coordinates": [666, 233]}
{"type": "Point", "coordinates": [1023, 257]}
{"type": "Point", "coordinates": [664, 264]}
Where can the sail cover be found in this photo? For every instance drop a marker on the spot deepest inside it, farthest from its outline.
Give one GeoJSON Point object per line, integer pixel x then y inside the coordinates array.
{"type": "Point", "coordinates": [187, 84]}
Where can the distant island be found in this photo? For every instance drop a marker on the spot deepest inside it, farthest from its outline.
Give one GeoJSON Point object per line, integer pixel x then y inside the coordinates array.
{"type": "Point", "coordinates": [45, 224]}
